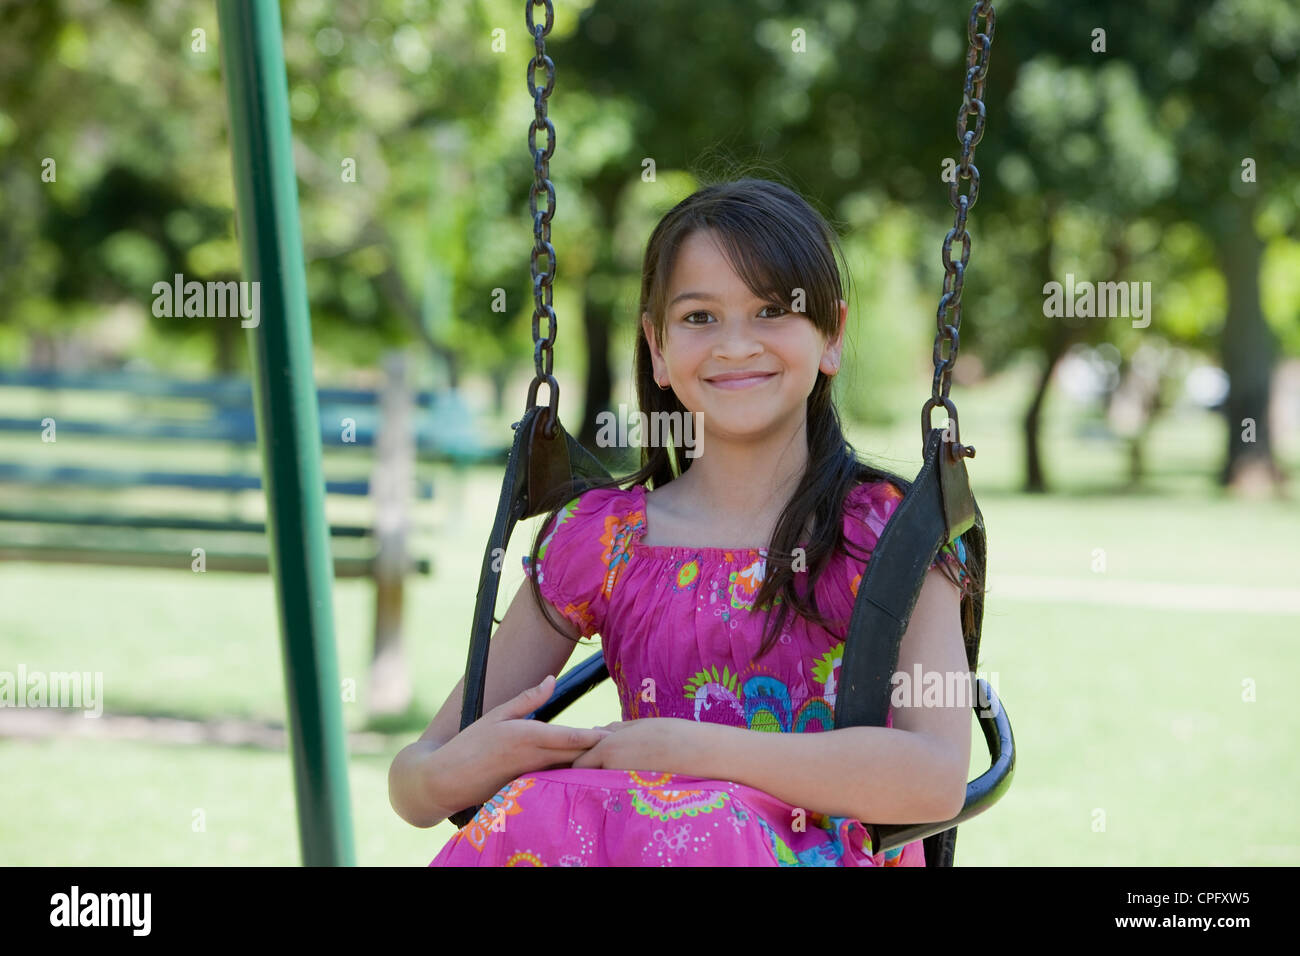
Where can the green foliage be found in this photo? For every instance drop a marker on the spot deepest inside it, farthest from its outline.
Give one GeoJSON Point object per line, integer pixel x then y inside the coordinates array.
{"type": "Point", "coordinates": [1109, 164]}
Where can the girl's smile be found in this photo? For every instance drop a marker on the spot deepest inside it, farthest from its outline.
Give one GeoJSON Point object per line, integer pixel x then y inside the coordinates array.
{"type": "Point", "coordinates": [731, 381]}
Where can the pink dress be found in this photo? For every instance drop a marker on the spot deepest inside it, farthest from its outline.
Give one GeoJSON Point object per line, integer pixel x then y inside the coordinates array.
{"type": "Point", "coordinates": [682, 617]}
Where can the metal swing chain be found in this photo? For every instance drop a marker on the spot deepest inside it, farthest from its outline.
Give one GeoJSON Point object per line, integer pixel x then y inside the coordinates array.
{"type": "Point", "coordinates": [977, 65]}
{"type": "Point", "coordinates": [543, 358]}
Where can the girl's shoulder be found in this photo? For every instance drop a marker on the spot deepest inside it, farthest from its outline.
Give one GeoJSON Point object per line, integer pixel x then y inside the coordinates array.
{"type": "Point", "coordinates": [583, 550]}
{"type": "Point", "coordinates": [591, 514]}
{"type": "Point", "coordinates": [592, 507]}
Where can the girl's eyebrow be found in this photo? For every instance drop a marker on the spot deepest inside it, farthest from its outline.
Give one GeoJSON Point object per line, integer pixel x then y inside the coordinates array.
{"type": "Point", "coordinates": [705, 297]}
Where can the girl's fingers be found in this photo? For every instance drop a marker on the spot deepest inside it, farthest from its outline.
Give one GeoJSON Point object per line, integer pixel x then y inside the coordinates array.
{"type": "Point", "coordinates": [563, 761]}
{"type": "Point", "coordinates": [526, 701]}
{"type": "Point", "coordinates": [553, 737]}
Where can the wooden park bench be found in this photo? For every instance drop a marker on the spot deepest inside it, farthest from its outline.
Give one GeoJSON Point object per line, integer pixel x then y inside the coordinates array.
{"type": "Point", "coordinates": [41, 520]}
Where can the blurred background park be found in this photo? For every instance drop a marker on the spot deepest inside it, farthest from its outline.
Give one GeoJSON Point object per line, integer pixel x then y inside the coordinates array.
{"type": "Point", "coordinates": [1137, 480]}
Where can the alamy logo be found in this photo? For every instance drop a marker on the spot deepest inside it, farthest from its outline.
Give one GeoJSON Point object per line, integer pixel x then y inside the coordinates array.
{"type": "Point", "coordinates": [945, 689]}
{"type": "Point", "coordinates": [212, 300]}
{"type": "Point", "coordinates": [102, 909]}
{"type": "Point", "coordinates": [1103, 300]}
{"type": "Point", "coordinates": [682, 429]}
{"type": "Point", "coordinates": [72, 689]}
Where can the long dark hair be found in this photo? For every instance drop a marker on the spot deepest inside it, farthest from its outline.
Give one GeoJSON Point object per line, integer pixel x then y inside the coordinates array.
{"type": "Point", "coordinates": [776, 243]}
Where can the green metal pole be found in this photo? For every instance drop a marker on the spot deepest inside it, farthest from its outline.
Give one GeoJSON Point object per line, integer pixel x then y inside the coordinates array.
{"type": "Point", "coordinates": [284, 392]}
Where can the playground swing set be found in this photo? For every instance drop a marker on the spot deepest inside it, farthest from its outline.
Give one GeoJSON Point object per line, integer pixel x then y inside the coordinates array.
{"type": "Point", "coordinates": [546, 463]}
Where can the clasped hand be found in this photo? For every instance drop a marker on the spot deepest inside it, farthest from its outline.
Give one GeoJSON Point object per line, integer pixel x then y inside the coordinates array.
{"type": "Point", "coordinates": [650, 743]}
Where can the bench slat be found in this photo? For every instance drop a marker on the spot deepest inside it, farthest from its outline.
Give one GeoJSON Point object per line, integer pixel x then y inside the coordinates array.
{"type": "Point", "coordinates": [241, 429]}
{"type": "Point", "coordinates": [168, 523]}
{"type": "Point", "coordinates": [344, 566]}
{"type": "Point", "coordinates": [225, 391]}
{"type": "Point", "coordinates": [22, 473]}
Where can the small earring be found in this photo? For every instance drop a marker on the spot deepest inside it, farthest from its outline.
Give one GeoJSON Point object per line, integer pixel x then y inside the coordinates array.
{"type": "Point", "coordinates": [661, 386]}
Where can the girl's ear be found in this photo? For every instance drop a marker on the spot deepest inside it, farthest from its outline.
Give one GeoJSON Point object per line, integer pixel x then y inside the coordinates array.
{"type": "Point", "coordinates": [830, 363]}
{"type": "Point", "coordinates": [656, 356]}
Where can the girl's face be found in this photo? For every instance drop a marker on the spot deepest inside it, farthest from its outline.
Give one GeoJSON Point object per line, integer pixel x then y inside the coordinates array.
{"type": "Point", "coordinates": [746, 363]}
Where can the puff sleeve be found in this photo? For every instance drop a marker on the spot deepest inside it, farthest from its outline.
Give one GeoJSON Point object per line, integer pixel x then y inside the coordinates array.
{"type": "Point", "coordinates": [874, 508]}
{"type": "Point", "coordinates": [867, 509]}
{"type": "Point", "coordinates": [581, 556]}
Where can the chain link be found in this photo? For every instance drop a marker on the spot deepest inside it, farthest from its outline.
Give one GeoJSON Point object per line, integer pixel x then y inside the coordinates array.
{"type": "Point", "coordinates": [543, 357]}
{"type": "Point", "coordinates": [948, 317]}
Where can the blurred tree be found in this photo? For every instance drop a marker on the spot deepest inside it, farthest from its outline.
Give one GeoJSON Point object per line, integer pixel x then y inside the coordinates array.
{"type": "Point", "coordinates": [1178, 113]}
{"type": "Point", "coordinates": [410, 119]}
{"type": "Point", "coordinates": [1092, 138]}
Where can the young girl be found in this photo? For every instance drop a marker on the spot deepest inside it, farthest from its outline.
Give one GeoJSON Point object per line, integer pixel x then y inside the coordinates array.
{"type": "Point", "coordinates": [721, 590]}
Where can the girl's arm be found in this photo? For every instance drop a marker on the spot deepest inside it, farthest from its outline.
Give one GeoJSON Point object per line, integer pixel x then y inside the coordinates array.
{"type": "Point", "coordinates": [913, 772]}
{"type": "Point", "coordinates": [425, 783]}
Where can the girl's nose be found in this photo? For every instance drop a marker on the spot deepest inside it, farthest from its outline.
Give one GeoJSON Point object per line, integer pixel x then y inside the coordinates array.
{"type": "Point", "coordinates": [737, 341]}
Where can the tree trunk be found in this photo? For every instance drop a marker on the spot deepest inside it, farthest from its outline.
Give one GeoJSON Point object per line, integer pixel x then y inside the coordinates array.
{"type": "Point", "coordinates": [597, 313]}
{"type": "Point", "coordinates": [1248, 350]}
{"type": "Point", "coordinates": [596, 319]}
{"type": "Point", "coordinates": [1058, 340]}
{"type": "Point", "coordinates": [499, 376]}
{"type": "Point", "coordinates": [1035, 480]}
{"type": "Point", "coordinates": [390, 484]}
{"type": "Point", "coordinates": [225, 331]}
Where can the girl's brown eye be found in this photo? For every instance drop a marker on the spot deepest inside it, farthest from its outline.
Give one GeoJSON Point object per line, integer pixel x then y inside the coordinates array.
{"type": "Point", "coordinates": [690, 315]}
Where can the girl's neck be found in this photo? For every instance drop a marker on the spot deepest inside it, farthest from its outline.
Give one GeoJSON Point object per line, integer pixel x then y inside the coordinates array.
{"type": "Point", "coordinates": [732, 484]}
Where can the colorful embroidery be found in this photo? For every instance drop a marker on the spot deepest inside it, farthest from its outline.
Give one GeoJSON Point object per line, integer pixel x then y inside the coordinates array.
{"type": "Point", "coordinates": [767, 704]}
{"type": "Point", "coordinates": [617, 542]}
{"type": "Point", "coordinates": [687, 575]}
{"type": "Point", "coordinates": [708, 689]}
{"type": "Point", "coordinates": [814, 711]}
{"type": "Point", "coordinates": [504, 804]}
{"type": "Point", "coordinates": [524, 858]}
{"type": "Point", "coordinates": [658, 781]}
{"type": "Point", "coordinates": [581, 617]}
{"type": "Point", "coordinates": [563, 515]}
{"type": "Point", "coordinates": [824, 854]}
{"type": "Point", "coordinates": [764, 702]}
{"type": "Point", "coordinates": [721, 611]}
{"type": "Point", "coordinates": [674, 842]}
{"type": "Point", "coordinates": [665, 804]}
{"type": "Point", "coordinates": [745, 584]}
{"type": "Point", "coordinates": [826, 670]}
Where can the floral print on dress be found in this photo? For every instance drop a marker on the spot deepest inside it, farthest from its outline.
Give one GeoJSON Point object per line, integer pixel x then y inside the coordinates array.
{"type": "Point", "coordinates": [493, 815]}
{"type": "Point", "coordinates": [745, 584]}
{"type": "Point", "coordinates": [617, 540]}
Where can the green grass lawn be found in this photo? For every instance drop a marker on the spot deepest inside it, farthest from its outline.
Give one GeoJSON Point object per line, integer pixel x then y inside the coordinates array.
{"type": "Point", "coordinates": [1135, 745]}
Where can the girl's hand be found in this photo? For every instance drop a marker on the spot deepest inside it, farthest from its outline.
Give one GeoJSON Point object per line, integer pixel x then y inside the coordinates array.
{"type": "Point", "coordinates": [503, 744]}
{"type": "Point", "coordinates": [651, 743]}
